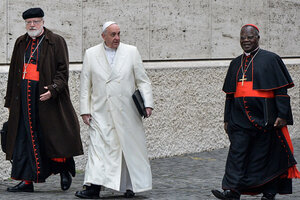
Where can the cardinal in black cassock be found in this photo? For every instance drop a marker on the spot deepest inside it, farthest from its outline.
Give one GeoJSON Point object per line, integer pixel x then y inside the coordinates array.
{"type": "Point", "coordinates": [257, 112]}
{"type": "Point", "coordinates": [43, 129]}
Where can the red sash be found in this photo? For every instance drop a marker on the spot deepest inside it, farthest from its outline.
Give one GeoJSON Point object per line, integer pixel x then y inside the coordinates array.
{"type": "Point", "coordinates": [292, 171]}
{"type": "Point", "coordinates": [246, 90]}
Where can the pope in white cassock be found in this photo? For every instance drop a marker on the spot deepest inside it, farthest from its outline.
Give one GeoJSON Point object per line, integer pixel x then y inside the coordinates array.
{"type": "Point", "coordinates": [117, 154]}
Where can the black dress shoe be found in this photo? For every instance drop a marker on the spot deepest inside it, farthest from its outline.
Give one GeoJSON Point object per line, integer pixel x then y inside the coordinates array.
{"type": "Point", "coordinates": [129, 194]}
{"type": "Point", "coordinates": [227, 195]}
{"type": "Point", "coordinates": [65, 180]}
{"type": "Point", "coordinates": [90, 192]}
{"type": "Point", "coordinates": [268, 196]}
{"type": "Point", "coordinates": [21, 187]}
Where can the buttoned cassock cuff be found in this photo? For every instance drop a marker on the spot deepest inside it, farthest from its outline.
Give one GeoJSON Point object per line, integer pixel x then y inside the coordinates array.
{"type": "Point", "coordinates": [52, 89]}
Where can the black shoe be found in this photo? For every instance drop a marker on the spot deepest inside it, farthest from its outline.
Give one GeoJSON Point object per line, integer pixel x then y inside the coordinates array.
{"type": "Point", "coordinates": [268, 196]}
{"type": "Point", "coordinates": [21, 187]}
{"type": "Point", "coordinates": [65, 180]}
{"type": "Point", "coordinates": [227, 195]}
{"type": "Point", "coordinates": [90, 192]}
{"type": "Point", "coordinates": [129, 194]}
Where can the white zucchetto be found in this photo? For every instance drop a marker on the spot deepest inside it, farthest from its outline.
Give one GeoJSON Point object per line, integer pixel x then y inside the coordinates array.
{"type": "Point", "coordinates": [107, 24]}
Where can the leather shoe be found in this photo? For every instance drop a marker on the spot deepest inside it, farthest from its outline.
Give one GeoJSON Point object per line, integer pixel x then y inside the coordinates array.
{"type": "Point", "coordinates": [21, 187]}
{"type": "Point", "coordinates": [90, 192]}
{"type": "Point", "coordinates": [268, 196]}
{"type": "Point", "coordinates": [129, 194]}
{"type": "Point", "coordinates": [226, 194]}
{"type": "Point", "coordinates": [65, 180]}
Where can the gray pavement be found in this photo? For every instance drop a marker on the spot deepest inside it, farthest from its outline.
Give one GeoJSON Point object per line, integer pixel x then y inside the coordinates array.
{"type": "Point", "coordinates": [183, 177]}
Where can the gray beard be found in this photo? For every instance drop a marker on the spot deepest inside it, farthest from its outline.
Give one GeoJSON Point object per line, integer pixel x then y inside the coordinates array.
{"type": "Point", "coordinates": [34, 33]}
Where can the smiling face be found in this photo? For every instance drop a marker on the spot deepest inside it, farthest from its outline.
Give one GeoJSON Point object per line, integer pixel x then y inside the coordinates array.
{"type": "Point", "coordinates": [249, 38]}
{"type": "Point", "coordinates": [111, 36]}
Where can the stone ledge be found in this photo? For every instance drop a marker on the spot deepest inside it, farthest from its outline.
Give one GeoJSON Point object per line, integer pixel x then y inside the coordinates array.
{"type": "Point", "coordinates": [175, 64]}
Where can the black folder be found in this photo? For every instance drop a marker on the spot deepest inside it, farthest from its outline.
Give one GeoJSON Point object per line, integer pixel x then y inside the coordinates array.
{"type": "Point", "coordinates": [4, 136]}
{"type": "Point", "coordinates": [139, 102]}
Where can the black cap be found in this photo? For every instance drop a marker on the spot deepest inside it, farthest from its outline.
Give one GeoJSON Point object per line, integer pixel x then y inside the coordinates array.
{"type": "Point", "coordinates": [32, 13]}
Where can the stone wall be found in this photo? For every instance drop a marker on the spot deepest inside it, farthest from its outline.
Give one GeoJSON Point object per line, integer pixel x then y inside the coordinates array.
{"type": "Point", "coordinates": [188, 112]}
{"type": "Point", "coordinates": [162, 30]}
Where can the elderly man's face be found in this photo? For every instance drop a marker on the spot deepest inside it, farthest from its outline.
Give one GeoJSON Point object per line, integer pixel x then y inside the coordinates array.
{"type": "Point", "coordinates": [111, 36]}
{"type": "Point", "coordinates": [249, 39]}
{"type": "Point", "coordinates": [34, 26]}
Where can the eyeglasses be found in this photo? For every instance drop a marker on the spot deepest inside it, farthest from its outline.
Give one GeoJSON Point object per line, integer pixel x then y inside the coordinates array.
{"type": "Point", "coordinates": [248, 37]}
{"type": "Point", "coordinates": [35, 22]}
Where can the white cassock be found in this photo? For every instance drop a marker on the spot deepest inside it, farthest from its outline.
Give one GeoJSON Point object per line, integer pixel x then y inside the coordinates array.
{"type": "Point", "coordinates": [117, 154]}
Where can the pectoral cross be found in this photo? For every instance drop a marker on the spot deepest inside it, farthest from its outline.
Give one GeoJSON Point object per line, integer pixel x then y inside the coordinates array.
{"type": "Point", "coordinates": [24, 73]}
{"type": "Point", "coordinates": [243, 79]}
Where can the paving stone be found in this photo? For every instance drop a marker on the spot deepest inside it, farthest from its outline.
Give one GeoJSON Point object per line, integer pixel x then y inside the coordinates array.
{"type": "Point", "coordinates": [185, 177]}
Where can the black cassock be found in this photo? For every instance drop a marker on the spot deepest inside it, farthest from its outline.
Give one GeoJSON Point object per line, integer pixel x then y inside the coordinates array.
{"type": "Point", "coordinates": [30, 161]}
{"type": "Point", "coordinates": [260, 158]}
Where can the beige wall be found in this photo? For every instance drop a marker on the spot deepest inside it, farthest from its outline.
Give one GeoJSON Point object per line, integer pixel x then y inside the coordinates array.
{"type": "Point", "coordinates": [162, 30]}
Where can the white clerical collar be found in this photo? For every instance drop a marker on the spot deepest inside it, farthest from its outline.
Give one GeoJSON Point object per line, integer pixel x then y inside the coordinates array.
{"type": "Point", "coordinates": [109, 49]}
{"type": "Point", "coordinates": [110, 54]}
{"type": "Point", "coordinates": [248, 54]}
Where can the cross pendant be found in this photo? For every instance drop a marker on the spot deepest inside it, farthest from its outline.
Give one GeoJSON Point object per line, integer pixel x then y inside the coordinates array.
{"type": "Point", "coordinates": [24, 73]}
{"type": "Point", "coordinates": [243, 79]}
